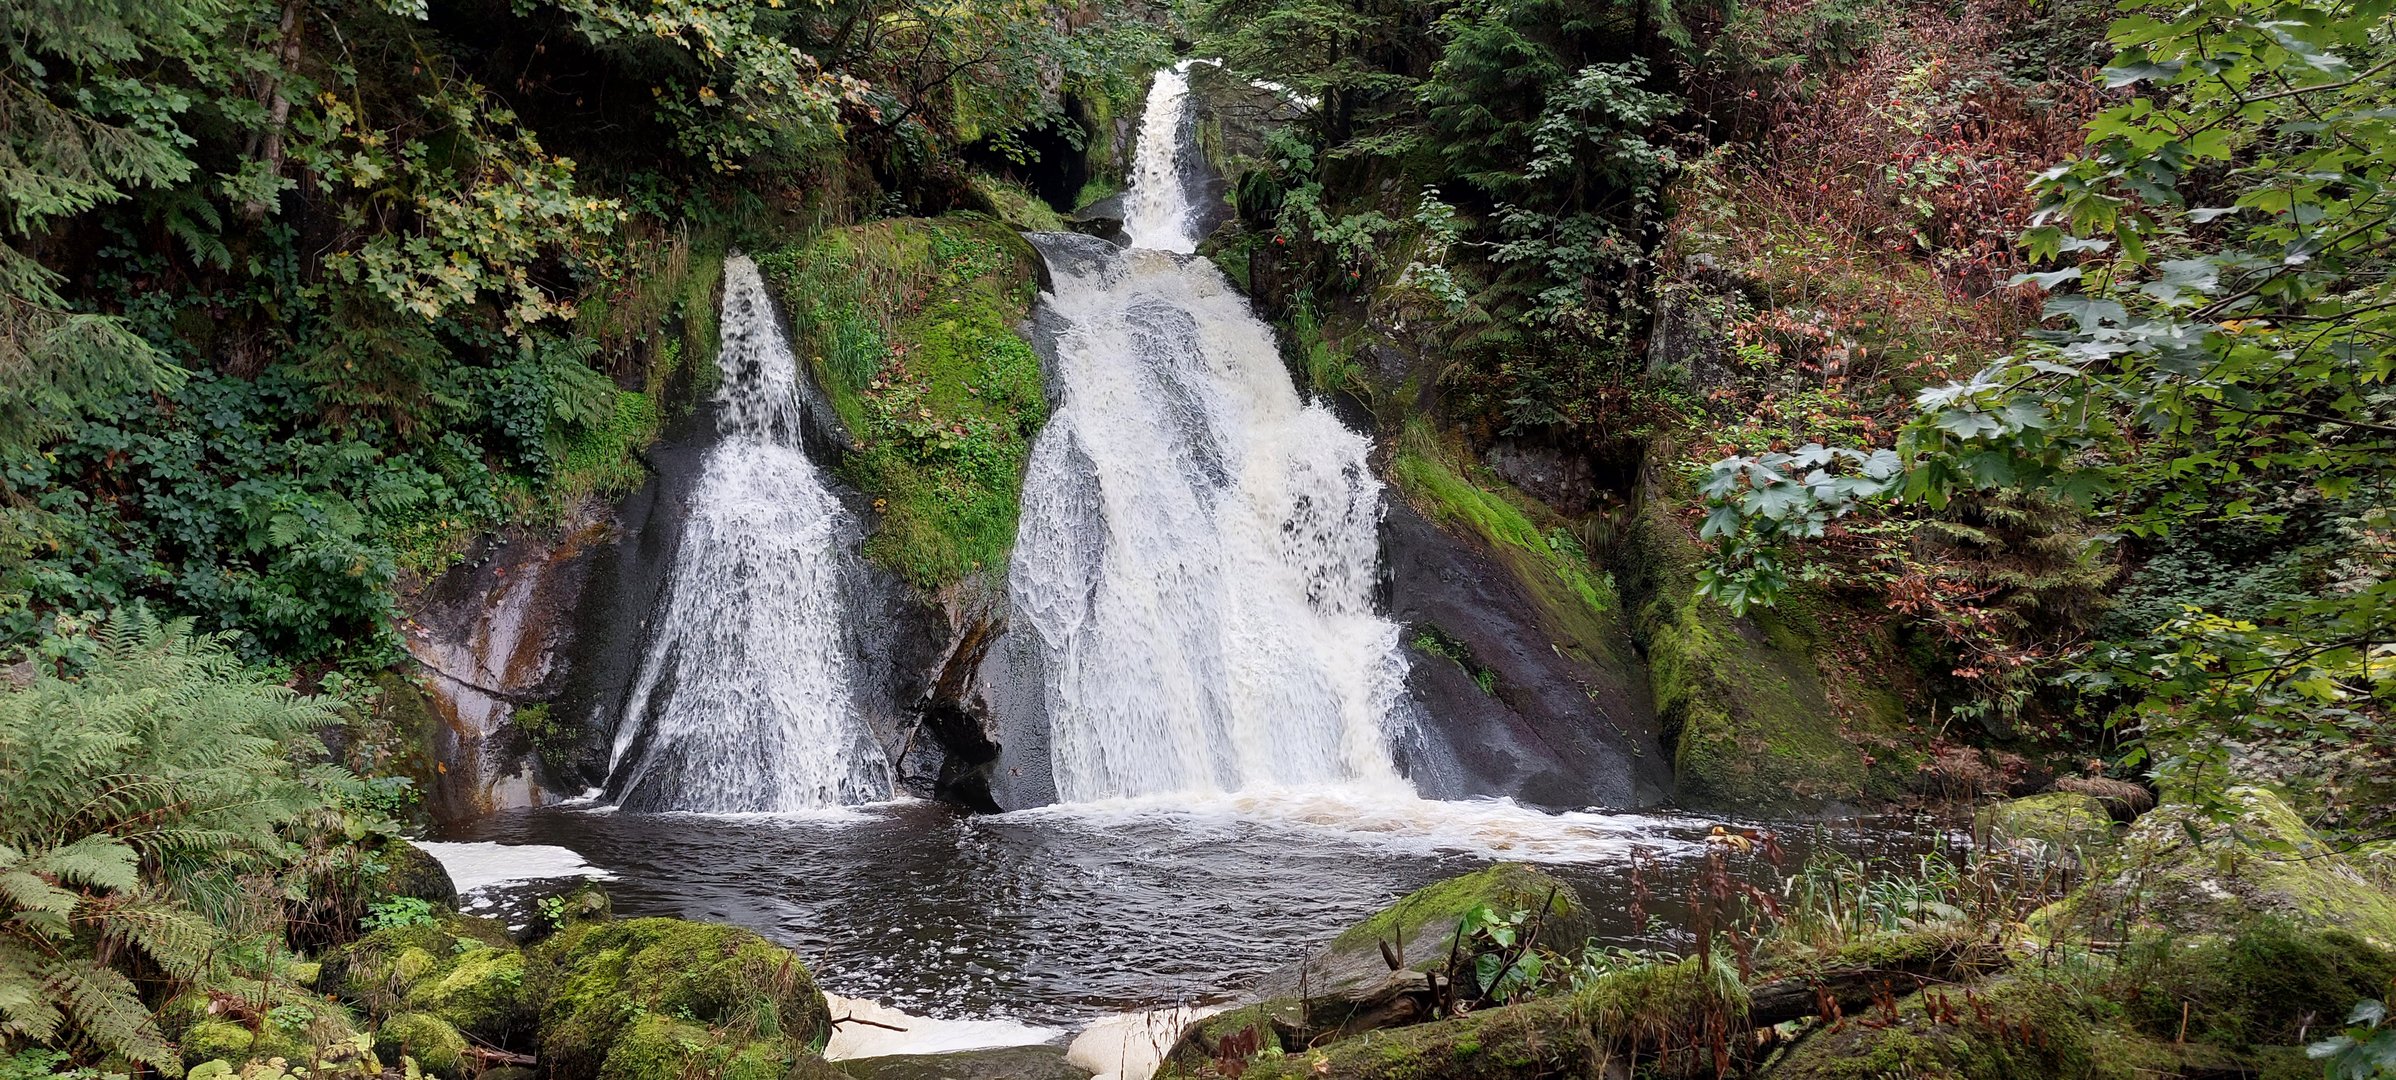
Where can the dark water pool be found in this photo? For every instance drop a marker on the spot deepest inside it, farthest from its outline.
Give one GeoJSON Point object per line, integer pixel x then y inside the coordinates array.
{"type": "Point", "coordinates": [1058, 916]}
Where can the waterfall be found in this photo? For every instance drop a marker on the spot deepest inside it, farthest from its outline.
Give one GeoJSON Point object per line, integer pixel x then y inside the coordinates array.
{"type": "Point", "coordinates": [1156, 211]}
{"type": "Point", "coordinates": [1198, 548]}
{"type": "Point", "coordinates": [743, 701]}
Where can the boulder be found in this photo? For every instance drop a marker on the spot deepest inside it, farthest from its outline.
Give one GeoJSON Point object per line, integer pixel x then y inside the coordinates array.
{"type": "Point", "coordinates": [2028, 1028]}
{"type": "Point", "coordinates": [1420, 926]}
{"type": "Point", "coordinates": [754, 1000]}
{"type": "Point", "coordinates": [1751, 721]}
{"type": "Point", "coordinates": [1539, 1040]}
{"type": "Point", "coordinates": [463, 970]}
{"type": "Point", "coordinates": [654, 1047]}
{"type": "Point", "coordinates": [408, 871]}
{"type": "Point", "coordinates": [1002, 1063]}
{"type": "Point", "coordinates": [2065, 827]}
{"type": "Point", "coordinates": [2179, 870]}
{"type": "Point", "coordinates": [436, 1045]}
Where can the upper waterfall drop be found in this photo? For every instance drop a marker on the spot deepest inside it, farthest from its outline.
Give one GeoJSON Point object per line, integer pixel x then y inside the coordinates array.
{"type": "Point", "coordinates": [1156, 210]}
{"type": "Point", "coordinates": [744, 700]}
{"type": "Point", "coordinates": [1199, 546]}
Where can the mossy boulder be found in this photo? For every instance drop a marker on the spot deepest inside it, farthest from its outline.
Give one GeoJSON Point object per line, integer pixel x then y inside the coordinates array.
{"type": "Point", "coordinates": [1421, 924]}
{"type": "Point", "coordinates": [2179, 870]}
{"type": "Point", "coordinates": [464, 970]}
{"type": "Point", "coordinates": [2061, 826]}
{"type": "Point", "coordinates": [479, 990]}
{"type": "Point", "coordinates": [1546, 1039]}
{"type": "Point", "coordinates": [594, 979]}
{"type": "Point", "coordinates": [2025, 1028]}
{"type": "Point", "coordinates": [1002, 1063]}
{"type": "Point", "coordinates": [236, 1043]}
{"type": "Point", "coordinates": [1264, 1028]}
{"type": "Point", "coordinates": [2266, 982]}
{"type": "Point", "coordinates": [409, 871]}
{"type": "Point", "coordinates": [654, 1047]}
{"type": "Point", "coordinates": [248, 1021]}
{"type": "Point", "coordinates": [1743, 705]}
{"type": "Point", "coordinates": [909, 327]}
{"type": "Point", "coordinates": [436, 1045]}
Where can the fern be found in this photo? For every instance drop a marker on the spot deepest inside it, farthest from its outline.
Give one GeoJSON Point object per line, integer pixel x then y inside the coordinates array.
{"type": "Point", "coordinates": [139, 803]}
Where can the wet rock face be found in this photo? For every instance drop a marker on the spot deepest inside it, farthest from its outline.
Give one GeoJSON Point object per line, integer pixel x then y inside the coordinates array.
{"type": "Point", "coordinates": [488, 637]}
{"type": "Point", "coordinates": [1527, 720]}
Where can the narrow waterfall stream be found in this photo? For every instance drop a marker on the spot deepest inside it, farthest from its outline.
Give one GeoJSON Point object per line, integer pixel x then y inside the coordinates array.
{"type": "Point", "coordinates": [1198, 547]}
{"type": "Point", "coordinates": [744, 701]}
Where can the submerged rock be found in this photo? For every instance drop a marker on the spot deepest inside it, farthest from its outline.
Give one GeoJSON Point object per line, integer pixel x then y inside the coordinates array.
{"type": "Point", "coordinates": [1002, 1063]}
{"type": "Point", "coordinates": [752, 1000]}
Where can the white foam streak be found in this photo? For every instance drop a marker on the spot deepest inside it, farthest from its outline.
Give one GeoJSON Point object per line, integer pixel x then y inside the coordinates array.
{"type": "Point", "coordinates": [744, 701]}
{"type": "Point", "coordinates": [1373, 818]}
{"type": "Point", "coordinates": [479, 866]}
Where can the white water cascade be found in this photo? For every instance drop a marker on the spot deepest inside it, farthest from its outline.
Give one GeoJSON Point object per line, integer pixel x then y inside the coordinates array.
{"type": "Point", "coordinates": [1198, 548]}
{"type": "Point", "coordinates": [743, 701]}
{"type": "Point", "coordinates": [1156, 209]}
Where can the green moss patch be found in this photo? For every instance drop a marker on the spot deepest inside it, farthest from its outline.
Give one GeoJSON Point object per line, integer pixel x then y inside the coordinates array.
{"type": "Point", "coordinates": [1578, 605]}
{"type": "Point", "coordinates": [1743, 703]}
{"type": "Point", "coordinates": [436, 1045]}
{"type": "Point", "coordinates": [909, 326]}
{"type": "Point", "coordinates": [1540, 1039]}
{"type": "Point", "coordinates": [597, 980]}
{"type": "Point", "coordinates": [2179, 870]}
{"type": "Point", "coordinates": [2064, 825]}
{"type": "Point", "coordinates": [1016, 205]}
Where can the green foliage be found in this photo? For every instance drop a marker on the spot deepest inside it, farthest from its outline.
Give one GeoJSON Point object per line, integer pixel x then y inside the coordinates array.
{"type": "Point", "coordinates": [2220, 354]}
{"type": "Point", "coordinates": [398, 911]}
{"type": "Point", "coordinates": [142, 805]}
{"type": "Point", "coordinates": [909, 325]}
{"type": "Point", "coordinates": [2364, 1051]}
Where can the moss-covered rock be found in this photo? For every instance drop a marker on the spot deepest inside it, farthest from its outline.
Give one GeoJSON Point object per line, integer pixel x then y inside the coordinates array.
{"type": "Point", "coordinates": [593, 979]}
{"type": "Point", "coordinates": [1264, 1028]}
{"type": "Point", "coordinates": [2178, 870]}
{"type": "Point", "coordinates": [2266, 982]}
{"type": "Point", "coordinates": [464, 970]}
{"type": "Point", "coordinates": [323, 1038]}
{"type": "Point", "coordinates": [1539, 1040]}
{"type": "Point", "coordinates": [1003, 1063]}
{"type": "Point", "coordinates": [247, 1020]}
{"type": "Point", "coordinates": [436, 1045]}
{"type": "Point", "coordinates": [908, 325]}
{"type": "Point", "coordinates": [2026, 1028]}
{"type": "Point", "coordinates": [1420, 925]}
{"type": "Point", "coordinates": [408, 871]}
{"type": "Point", "coordinates": [2065, 826]}
{"type": "Point", "coordinates": [480, 991]}
{"type": "Point", "coordinates": [654, 1047]}
{"type": "Point", "coordinates": [1743, 704]}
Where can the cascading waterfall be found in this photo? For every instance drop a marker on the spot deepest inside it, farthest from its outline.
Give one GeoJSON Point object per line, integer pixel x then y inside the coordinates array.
{"type": "Point", "coordinates": [1198, 547]}
{"type": "Point", "coordinates": [1156, 210]}
{"type": "Point", "coordinates": [744, 701]}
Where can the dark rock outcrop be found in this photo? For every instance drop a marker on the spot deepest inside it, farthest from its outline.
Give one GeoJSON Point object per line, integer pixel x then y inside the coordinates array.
{"type": "Point", "coordinates": [1540, 716]}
